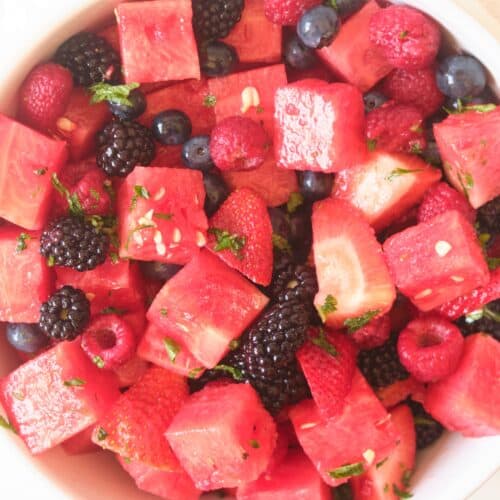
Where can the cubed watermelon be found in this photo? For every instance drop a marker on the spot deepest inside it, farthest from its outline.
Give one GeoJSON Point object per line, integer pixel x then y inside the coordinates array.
{"type": "Point", "coordinates": [255, 38]}
{"type": "Point", "coordinates": [319, 126]}
{"type": "Point", "coordinates": [345, 445]}
{"type": "Point", "coordinates": [249, 93]}
{"type": "Point", "coordinates": [352, 56]}
{"type": "Point", "coordinates": [223, 436]}
{"type": "Point", "coordinates": [468, 400]}
{"type": "Point", "coordinates": [157, 41]}
{"type": "Point", "coordinates": [188, 307]}
{"type": "Point", "coordinates": [437, 261]}
{"type": "Point", "coordinates": [386, 186]}
{"type": "Point", "coordinates": [27, 161]}
{"type": "Point", "coordinates": [160, 214]}
{"type": "Point", "coordinates": [56, 395]}
{"type": "Point", "coordinates": [469, 144]}
{"type": "Point", "coordinates": [25, 279]}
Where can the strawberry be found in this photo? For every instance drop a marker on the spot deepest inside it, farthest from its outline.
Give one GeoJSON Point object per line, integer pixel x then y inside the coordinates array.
{"type": "Point", "coordinates": [92, 193]}
{"type": "Point", "coordinates": [241, 235]}
{"type": "Point", "coordinates": [135, 424]}
{"type": "Point", "coordinates": [44, 96]}
{"type": "Point", "coordinates": [375, 333]}
{"type": "Point", "coordinates": [287, 12]}
{"type": "Point", "coordinates": [328, 360]}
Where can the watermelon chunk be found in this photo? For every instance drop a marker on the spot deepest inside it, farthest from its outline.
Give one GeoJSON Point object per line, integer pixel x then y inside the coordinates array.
{"type": "Point", "coordinates": [223, 436]}
{"type": "Point", "coordinates": [363, 434]}
{"type": "Point", "coordinates": [188, 307]}
{"type": "Point", "coordinates": [255, 38]}
{"type": "Point", "coordinates": [319, 126]}
{"type": "Point", "coordinates": [352, 56]}
{"type": "Point", "coordinates": [27, 161]}
{"type": "Point", "coordinates": [386, 186]}
{"type": "Point", "coordinates": [232, 94]}
{"type": "Point", "coordinates": [56, 395]}
{"type": "Point", "coordinates": [437, 261]}
{"type": "Point", "coordinates": [25, 279]}
{"type": "Point", "coordinates": [468, 400]}
{"type": "Point", "coordinates": [161, 29]}
{"type": "Point", "coordinates": [161, 216]}
{"type": "Point", "coordinates": [469, 144]}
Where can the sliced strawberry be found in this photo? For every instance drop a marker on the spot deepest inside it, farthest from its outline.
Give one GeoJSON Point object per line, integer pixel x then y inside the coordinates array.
{"type": "Point", "coordinates": [241, 235]}
{"type": "Point", "coordinates": [352, 275]}
{"type": "Point", "coordinates": [328, 360]}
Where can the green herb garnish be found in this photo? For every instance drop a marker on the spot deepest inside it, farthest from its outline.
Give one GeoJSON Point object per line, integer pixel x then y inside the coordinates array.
{"type": "Point", "coordinates": [347, 470]}
{"type": "Point", "coordinates": [74, 205]}
{"type": "Point", "coordinates": [74, 382]}
{"type": "Point", "coordinates": [7, 425]}
{"type": "Point", "coordinates": [329, 306]}
{"type": "Point", "coordinates": [322, 342]}
{"type": "Point", "coordinates": [195, 372]}
{"type": "Point", "coordinates": [209, 101]}
{"type": "Point", "coordinates": [381, 463]}
{"type": "Point", "coordinates": [254, 443]}
{"type": "Point", "coordinates": [295, 201]}
{"type": "Point", "coordinates": [371, 144]}
{"type": "Point", "coordinates": [227, 241]}
{"type": "Point", "coordinates": [172, 348]}
{"type": "Point", "coordinates": [101, 434]}
{"type": "Point", "coordinates": [117, 94]}
{"type": "Point", "coordinates": [163, 312]}
{"type": "Point", "coordinates": [98, 361]}
{"type": "Point", "coordinates": [114, 310]}
{"type": "Point", "coordinates": [403, 34]}
{"type": "Point", "coordinates": [21, 242]}
{"type": "Point", "coordinates": [139, 192]}
{"type": "Point", "coordinates": [51, 261]}
{"type": "Point", "coordinates": [493, 263]}
{"type": "Point", "coordinates": [234, 372]}
{"type": "Point", "coordinates": [354, 324]}
{"type": "Point", "coordinates": [281, 243]}
{"type": "Point", "coordinates": [159, 215]}
{"type": "Point", "coordinates": [40, 171]}
{"type": "Point", "coordinates": [400, 493]}
{"type": "Point", "coordinates": [401, 171]}
{"type": "Point", "coordinates": [234, 344]}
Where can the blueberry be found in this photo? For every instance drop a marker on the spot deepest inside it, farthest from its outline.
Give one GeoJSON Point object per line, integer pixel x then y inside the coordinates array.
{"type": "Point", "coordinates": [196, 153]}
{"type": "Point", "coordinates": [346, 8]}
{"type": "Point", "coordinates": [373, 100]}
{"type": "Point", "coordinates": [26, 337]}
{"type": "Point", "coordinates": [216, 192]}
{"type": "Point", "coordinates": [124, 112]}
{"type": "Point", "coordinates": [315, 186]}
{"type": "Point", "coordinates": [172, 127]}
{"type": "Point", "coordinates": [159, 271]}
{"type": "Point", "coordinates": [297, 55]}
{"type": "Point", "coordinates": [461, 76]}
{"type": "Point", "coordinates": [217, 58]}
{"type": "Point", "coordinates": [318, 26]}
{"type": "Point", "coordinates": [280, 222]}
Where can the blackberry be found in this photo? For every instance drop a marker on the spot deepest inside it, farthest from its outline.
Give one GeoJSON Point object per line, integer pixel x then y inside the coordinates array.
{"type": "Point", "coordinates": [90, 59]}
{"type": "Point", "coordinates": [65, 314]}
{"type": "Point", "coordinates": [427, 428]}
{"type": "Point", "coordinates": [71, 241]}
{"type": "Point", "coordinates": [489, 322]}
{"type": "Point", "coordinates": [488, 217]}
{"type": "Point", "coordinates": [122, 145]}
{"type": "Point", "coordinates": [381, 366]}
{"type": "Point", "coordinates": [295, 280]}
{"type": "Point", "coordinates": [213, 19]}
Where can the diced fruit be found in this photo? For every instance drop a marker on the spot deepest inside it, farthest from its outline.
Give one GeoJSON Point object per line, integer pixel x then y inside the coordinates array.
{"type": "Point", "coordinates": [374, 334]}
{"type": "Point", "coordinates": [93, 194]}
{"type": "Point", "coordinates": [317, 27]}
{"type": "Point", "coordinates": [386, 186]}
{"type": "Point", "coordinates": [134, 425]}
{"type": "Point", "coordinates": [352, 56]}
{"type": "Point", "coordinates": [25, 278]}
{"type": "Point", "coordinates": [249, 93]}
{"type": "Point", "coordinates": [81, 443]}
{"type": "Point", "coordinates": [241, 235]}
{"type": "Point", "coordinates": [161, 215]}
{"type": "Point", "coordinates": [28, 160]}
{"type": "Point", "coordinates": [130, 372]}
{"type": "Point", "coordinates": [287, 12]}
{"type": "Point", "coordinates": [469, 144]}
{"type": "Point", "coordinates": [399, 391]}
{"type": "Point", "coordinates": [319, 126]}
{"type": "Point", "coordinates": [188, 307]}
{"type": "Point", "coordinates": [294, 477]}
{"type": "Point", "coordinates": [468, 401]}
{"type": "Point", "coordinates": [352, 275]}
{"type": "Point", "coordinates": [347, 444]}
{"type": "Point", "coordinates": [163, 31]}
{"type": "Point", "coordinates": [436, 261]}
{"type": "Point", "coordinates": [255, 38]}
{"type": "Point", "coordinates": [461, 76]}
{"type": "Point", "coordinates": [223, 436]}
{"type": "Point", "coordinates": [56, 395]}
{"type": "Point", "coordinates": [389, 480]}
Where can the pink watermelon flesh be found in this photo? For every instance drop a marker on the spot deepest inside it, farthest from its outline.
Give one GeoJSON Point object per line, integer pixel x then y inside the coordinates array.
{"type": "Point", "coordinates": [361, 435]}
{"type": "Point", "coordinates": [188, 307]}
{"type": "Point", "coordinates": [27, 161]}
{"type": "Point", "coordinates": [319, 126]}
{"type": "Point", "coordinates": [294, 478]}
{"type": "Point", "coordinates": [437, 261]}
{"type": "Point", "coordinates": [81, 443]}
{"type": "Point", "coordinates": [56, 395]}
{"type": "Point", "coordinates": [157, 41]}
{"type": "Point", "coordinates": [223, 436]}
{"type": "Point", "coordinates": [468, 400]}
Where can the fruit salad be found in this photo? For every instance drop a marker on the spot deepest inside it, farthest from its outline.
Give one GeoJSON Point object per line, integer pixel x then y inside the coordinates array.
{"type": "Point", "coordinates": [253, 247]}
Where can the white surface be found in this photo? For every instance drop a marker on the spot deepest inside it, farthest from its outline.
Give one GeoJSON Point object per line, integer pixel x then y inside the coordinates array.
{"type": "Point", "coordinates": [29, 32]}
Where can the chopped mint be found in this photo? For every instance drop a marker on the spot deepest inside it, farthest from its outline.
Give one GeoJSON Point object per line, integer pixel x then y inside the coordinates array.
{"type": "Point", "coordinates": [163, 312]}
{"type": "Point", "coordinates": [371, 144]}
{"type": "Point", "coordinates": [254, 443]}
{"type": "Point", "coordinates": [401, 171]}
{"type": "Point", "coordinates": [21, 242]}
{"type": "Point", "coordinates": [114, 310]}
{"type": "Point", "coordinates": [101, 434]}
{"type": "Point", "coordinates": [108, 187]}
{"type": "Point", "coordinates": [469, 180]}
{"type": "Point", "coordinates": [493, 263]}
{"type": "Point", "coordinates": [95, 194]}
{"type": "Point", "coordinates": [7, 425]}
{"type": "Point", "coordinates": [347, 470]}
{"type": "Point", "coordinates": [354, 324]}
{"type": "Point", "coordinates": [51, 261]}
{"type": "Point", "coordinates": [329, 306]}
{"type": "Point", "coordinates": [416, 149]}
{"type": "Point", "coordinates": [322, 342]}
{"type": "Point", "coordinates": [295, 201]}
{"type": "Point", "coordinates": [40, 171]}
{"type": "Point", "coordinates": [234, 372]}
{"type": "Point", "coordinates": [423, 421]}
{"type": "Point", "coordinates": [117, 94]}
{"type": "Point", "coordinates": [381, 463]}
{"type": "Point", "coordinates": [114, 257]}
{"type": "Point", "coordinates": [139, 192]}
{"type": "Point", "coordinates": [209, 101]}
{"type": "Point", "coordinates": [74, 205]}
{"type": "Point", "coordinates": [406, 478]}
{"type": "Point", "coordinates": [259, 110]}
{"type": "Point", "coordinates": [195, 372]}
{"type": "Point", "coordinates": [163, 216]}
{"type": "Point", "coordinates": [227, 241]}
{"type": "Point", "coordinates": [334, 4]}
{"type": "Point", "coordinates": [234, 344]}
{"type": "Point", "coordinates": [172, 348]}
{"type": "Point", "coordinates": [281, 243]}
{"type": "Point", "coordinates": [386, 488]}
{"type": "Point", "coordinates": [400, 493]}
{"type": "Point", "coordinates": [98, 361]}
{"type": "Point", "coordinates": [74, 382]}
{"type": "Point", "coordinates": [480, 108]}
{"type": "Point", "coordinates": [403, 34]}
{"type": "Point", "coordinates": [136, 229]}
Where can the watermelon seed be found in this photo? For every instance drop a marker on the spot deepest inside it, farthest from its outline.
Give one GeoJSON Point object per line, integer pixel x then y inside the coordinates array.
{"type": "Point", "coordinates": [457, 279]}
{"type": "Point", "coordinates": [423, 293]}
{"type": "Point", "coordinates": [442, 248]}
{"type": "Point", "coordinates": [369, 456]}
{"type": "Point", "coordinates": [250, 98]}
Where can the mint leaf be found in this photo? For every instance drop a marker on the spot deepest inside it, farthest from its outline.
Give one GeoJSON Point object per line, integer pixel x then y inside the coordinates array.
{"type": "Point", "coordinates": [322, 342]}
{"type": "Point", "coordinates": [139, 192]}
{"type": "Point", "coordinates": [101, 434]}
{"type": "Point", "coordinates": [227, 241]}
{"type": "Point", "coordinates": [329, 306]}
{"type": "Point", "coordinates": [371, 144]}
{"type": "Point", "coordinates": [281, 243]}
{"type": "Point", "coordinates": [162, 216]}
{"type": "Point", "coordinates": [347, 470]}
{"type": "Point", "coordinates": [381, 463]}
{"type": "Point", "coordinates": [40, 171]}
{"type": "Point", "coordinates": [209, 101]}
{"type": "Point", "coordinates": [231, 370]}
{"type": "Point", "coordinates": [74, 382]}
{"type": "Point", "coordinates": [74, 205]}
{"type": "Point", "coordinates": [114, 310]}
{"type": "Point", "coordinates": [354, 324]}
{"type": "Point", "coordinates": [493, 263]}
{"type": "Point", "coordinates": [254, 443]}
{"type": "Point", "coordinates": [163, 312]}
{"type": "Point", "coordinates": [195, 372]}
{"type": "Point", "coordinates": [172, 348]}
{"type": "Point", "coordinates": [480, 108]}
{"type": "Point", "coordinates": [7, 425]}
{"type": "Point", "coordinates": [98, 361]}
{"type": "Point", "coordinates": [294, 201]}
{"type": "Point", "coordinates": [234, 344]}
{"type": "Point", "coordinates": [423, 421]}
{"type": "Point", "coordinates": [401, 171]}
{"type": "Point", "coordinates": [21, 242]}
{"type": "Point", "coordinates": [117, 94]}
{"type": "Point", "coordinates": [400, 493]}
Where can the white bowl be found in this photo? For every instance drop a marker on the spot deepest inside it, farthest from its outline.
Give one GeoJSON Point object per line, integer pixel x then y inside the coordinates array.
{"type": "Point", "coordinates": [29, 32]}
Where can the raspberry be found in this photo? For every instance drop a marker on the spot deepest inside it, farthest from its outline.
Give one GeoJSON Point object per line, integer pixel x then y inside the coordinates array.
{"type": "Point", "coordinates": [396, 127]}
{"type": "Point", "coordinates": [238, 143]}
{"type": "Point", "coordinates": [441, 198]}
{"type": "Point", "coordinates": [430, 347]}
{"type": "Point", "coordinates": [374, 334]}
{"type": "Point", "coordinates": [414, 86]}
{"type": "Point", "coordinates": [109, 341]}
{"type": "Point", "coordinates": [44, 96]}
{"type": "Point", "coordinates": [92, 194]}
{"type": "Point", "coordinates": [287, 12]}
{"type": "Point", "coordinates": [408, 38]}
